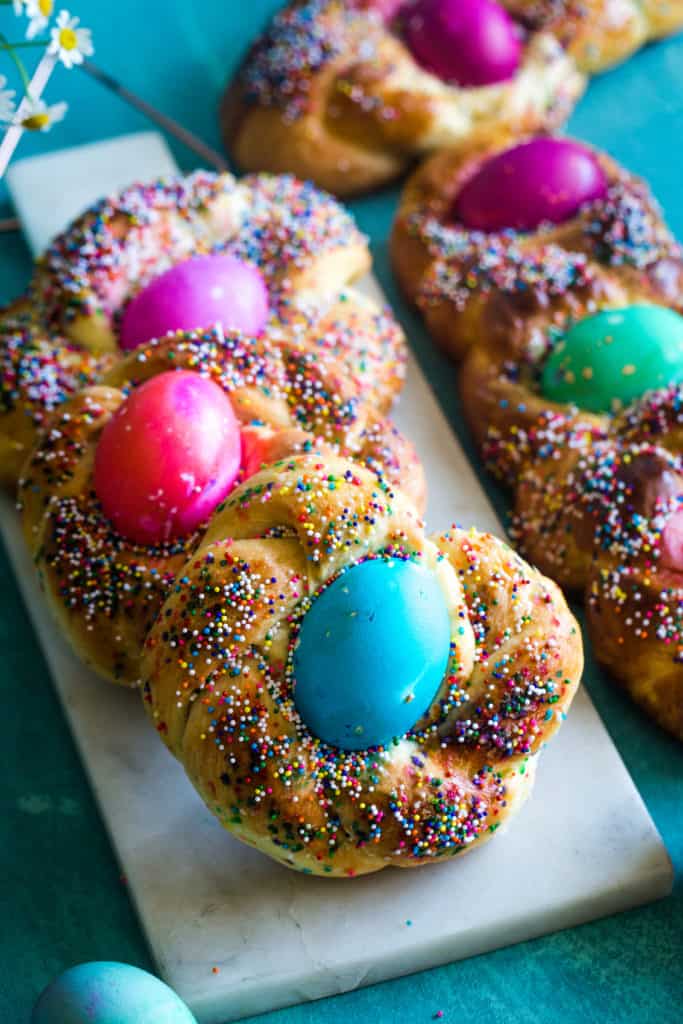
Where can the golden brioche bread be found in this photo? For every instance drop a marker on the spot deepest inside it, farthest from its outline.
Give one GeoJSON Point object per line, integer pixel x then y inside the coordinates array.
{"type": "Point", "coordinates": [594, 494]}
{"type": "Point", "coordinates": [220, 696]}
{"type": "Point", "coordinates": [39, 370]}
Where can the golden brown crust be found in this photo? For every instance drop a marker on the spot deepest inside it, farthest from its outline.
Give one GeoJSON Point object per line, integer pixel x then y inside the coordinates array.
{"type": "Point", "coordinates": [104, 591]}
{"type": "Point", "coordinates": [313, 384]}
{"type": "Point", "coordinates": [625, 611]}
{"type": "Point", "coordinates": [442, 789]}
{"type": "Point", "coordinates": [333, 94]}
{"type": "Point", "coordinates": [590, 510]}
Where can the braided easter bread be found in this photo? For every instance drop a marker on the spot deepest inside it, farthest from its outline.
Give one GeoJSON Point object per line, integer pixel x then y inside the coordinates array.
{"type": "Point", "coordinates": [320, 384]}
{"type": "Point", "coordinates": [335, 90]}
{"type": "Point", "coordinates": [221, 660]}
{"type": "Point", "coordinates": [547, 371]}
{"type": "Point", "coordinates": [332, 92]}
{"type": "Point", "coordinates": [65, 332]}
{"type": "Point", "coordinates": [504, 288]}
{"type": "Point", "coordinates": [598, 494]}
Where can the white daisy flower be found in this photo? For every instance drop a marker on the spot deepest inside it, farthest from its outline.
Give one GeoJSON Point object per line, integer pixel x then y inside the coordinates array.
{"type": "Point", "coordinates": [39, 13]}
{"type": "Point", "coordinates": [39, 117]}
{"type": "Point", "coordinates": [18, 6]}
{"type": "Point", "coordinates": [6, 101]}
{"type": "Point", "coordinates": [68, 42]}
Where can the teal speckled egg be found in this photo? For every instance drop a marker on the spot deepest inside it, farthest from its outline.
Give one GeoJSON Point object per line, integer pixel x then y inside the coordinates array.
{"type": "Point", "coordinates": [612, 358]}
{"type": "Point", "coordinates": [109, 993]}
{"type": "Point", "coordinates": [372, 652]}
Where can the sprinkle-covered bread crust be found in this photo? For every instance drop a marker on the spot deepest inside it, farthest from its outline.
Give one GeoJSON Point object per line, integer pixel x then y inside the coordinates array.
{"type": "Point", "coordinates": [64, 333]}
{"type": "Point", "coordinates": [218, 678]}
{"type": "Point", "coordinates": [593, 492]}
{"type": "Point", "coordinates": [470, 284]}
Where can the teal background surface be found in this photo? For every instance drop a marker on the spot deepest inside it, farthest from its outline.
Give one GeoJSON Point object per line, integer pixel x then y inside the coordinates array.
{"type": "Point", "coordinates": [62, 897]}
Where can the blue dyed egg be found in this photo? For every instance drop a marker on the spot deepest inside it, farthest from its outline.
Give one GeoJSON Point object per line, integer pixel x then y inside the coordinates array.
{"type": "Point", "coordinates": [371, 654]}
{"type": "Point", "coordinates": [608, 360]}
{"type": "Point", "coordinates": [109, 993]}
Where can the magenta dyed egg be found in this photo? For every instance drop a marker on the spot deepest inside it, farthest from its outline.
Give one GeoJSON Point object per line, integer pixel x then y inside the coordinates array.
{"type": "Point", "coordinates": [467, 42]}
{"type": "Point", "coordinates": [542, 180]}
{"type": "Point", "coordinates": [200, 292]}
{"type": "Point", "coordinates": [167, 457]}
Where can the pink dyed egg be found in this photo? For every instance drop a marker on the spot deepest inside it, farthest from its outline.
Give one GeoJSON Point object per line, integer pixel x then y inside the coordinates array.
{"type": "Point", "coordinates": [200, 292]}
{"type": "Point", "coordinates": [672, 542]}
{"type": "Point", "coordinates": [167, 457]}
{"type": "Point", "coordinates": [542, 180]}
{"type": "Point", "coordinates": [467, 42]}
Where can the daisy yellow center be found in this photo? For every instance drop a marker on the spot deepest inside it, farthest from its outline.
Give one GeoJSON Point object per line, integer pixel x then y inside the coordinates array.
{"type": "Point", "coordinates": [68, 39]}
{"type": "Point", "coordinates": [45, 7]}
{"type": "Point", "coordinates": [36, 122]}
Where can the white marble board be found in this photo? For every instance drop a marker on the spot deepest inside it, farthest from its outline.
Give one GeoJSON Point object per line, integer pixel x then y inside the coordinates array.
{"type": "Point", "coordinates": [584, 846]}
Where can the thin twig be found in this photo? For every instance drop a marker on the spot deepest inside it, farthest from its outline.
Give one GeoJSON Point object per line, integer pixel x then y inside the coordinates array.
{"type": "Point", "coordinates": [207, 154]}
{"type": "Point", "coordinates": [19, 64]}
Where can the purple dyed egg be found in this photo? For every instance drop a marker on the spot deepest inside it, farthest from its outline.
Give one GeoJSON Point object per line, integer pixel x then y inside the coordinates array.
{"type": "Point", "coordinates": [200, 292]}
{"type": "Point", "coordinates": [467, 42]}
{"type": "Point", "coordinates": [542, 180]}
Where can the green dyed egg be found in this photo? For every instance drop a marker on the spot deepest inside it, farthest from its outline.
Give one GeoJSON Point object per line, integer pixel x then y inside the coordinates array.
{"type": "Point", "coordinates": [607, 360]}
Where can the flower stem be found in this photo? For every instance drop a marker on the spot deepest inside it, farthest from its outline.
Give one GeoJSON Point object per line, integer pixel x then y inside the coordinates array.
{"type": "Point", "coordinates": [24, 43]}
{"type": "Point", "coordinates": [18, 61]}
